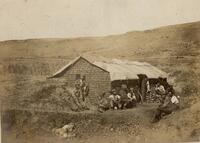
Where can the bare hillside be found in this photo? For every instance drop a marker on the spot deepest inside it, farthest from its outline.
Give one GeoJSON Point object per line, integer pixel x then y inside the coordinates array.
{"type": "Point", "coordinates": [178, 40]}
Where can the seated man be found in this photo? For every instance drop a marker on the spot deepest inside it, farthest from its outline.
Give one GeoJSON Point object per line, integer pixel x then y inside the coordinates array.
{"type": "Point", "coordinates": [160, 92]}
{"type": "Point", "coordinates": [131, 102]}
{"type": "Point", "coordinates": [115, 100]}
{"type": "Point", "coordinates": [171, 103]}
{"type": "Point", "coordinates": [160, 89]}
{"type": "Point", "coordinates": [123, 97]}
{"type": "Point", "coordinates": [103, 103]}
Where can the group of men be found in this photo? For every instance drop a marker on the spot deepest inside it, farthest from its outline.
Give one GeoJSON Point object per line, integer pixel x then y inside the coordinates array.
{"type": "Point", "coordinates": [124, 97]}
{"type": "Point", "coordinates": [119, 98]}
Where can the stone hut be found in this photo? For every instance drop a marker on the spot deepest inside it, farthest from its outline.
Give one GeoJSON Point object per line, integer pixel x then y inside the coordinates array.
{"type": "Point", "coordinates": [97, 78]}
{"type": "Point", "coordinates": [106, 74]}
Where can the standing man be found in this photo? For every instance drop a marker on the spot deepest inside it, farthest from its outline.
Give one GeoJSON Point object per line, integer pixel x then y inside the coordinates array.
{"type": "Point", "coordinates": [77, 94]}
{"type": "Point", "coordinates": [84, 90]}
{"type": "Point", "coordinates": [138, 94]}
{"type": "Point", "coordinates": [143, 86]}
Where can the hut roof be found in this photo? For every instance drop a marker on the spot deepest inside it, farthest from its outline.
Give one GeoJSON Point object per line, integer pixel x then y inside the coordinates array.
{"type": "Point", "coordinates": [121, 69]}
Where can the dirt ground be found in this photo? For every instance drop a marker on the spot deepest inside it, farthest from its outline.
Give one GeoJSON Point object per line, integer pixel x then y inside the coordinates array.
{"type": "Point", "coordinates": [112, 126]}
{"type": "Point", "coordinates": [109, 126]}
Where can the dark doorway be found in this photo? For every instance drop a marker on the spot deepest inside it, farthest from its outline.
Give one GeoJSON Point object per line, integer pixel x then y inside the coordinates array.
{"type": "Point", "coordinates": [129, 83]}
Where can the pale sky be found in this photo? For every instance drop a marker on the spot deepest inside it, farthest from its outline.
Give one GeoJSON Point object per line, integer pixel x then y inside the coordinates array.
{"type": "Point", "coordinates": [25, 19]}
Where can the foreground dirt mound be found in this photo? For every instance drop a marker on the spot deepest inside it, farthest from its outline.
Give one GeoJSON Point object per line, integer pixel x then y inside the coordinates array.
{"type": "Point", "coordinates": [133, 125]}
{"type": "Point", "coordinates": [88, 124]}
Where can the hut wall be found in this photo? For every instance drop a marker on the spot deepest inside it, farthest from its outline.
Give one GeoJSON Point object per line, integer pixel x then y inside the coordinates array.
{"type": "Point", "coordinates": [98, 79]}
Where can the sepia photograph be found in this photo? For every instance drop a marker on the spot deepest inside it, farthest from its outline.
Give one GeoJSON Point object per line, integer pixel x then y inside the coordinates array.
{"type": "Point", "coordinates": [99, 71]}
